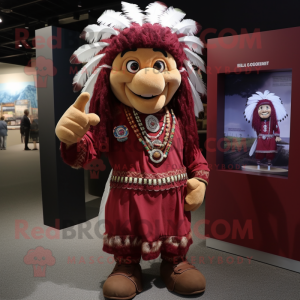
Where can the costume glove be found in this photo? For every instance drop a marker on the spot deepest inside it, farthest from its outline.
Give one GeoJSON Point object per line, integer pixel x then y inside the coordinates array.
{"type": "Point", "coordinates": [195, 194]}
{"type": "Point", "coordinates": [74, 123]}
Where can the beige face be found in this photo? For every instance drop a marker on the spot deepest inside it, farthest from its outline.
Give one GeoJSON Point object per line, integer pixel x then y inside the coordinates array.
{"type": "Point", "coordinates": [264, 111]}
{"type": "Point", "coordinates": [145, 79]}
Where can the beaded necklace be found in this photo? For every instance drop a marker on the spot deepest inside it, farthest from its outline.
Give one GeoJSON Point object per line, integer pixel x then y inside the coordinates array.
{"type": "Point", "coordinates": [156, 155]}
{"type": "Point", "coordinates": [156, 143]}
{"type": "Point", "coordinates": [138, 120]}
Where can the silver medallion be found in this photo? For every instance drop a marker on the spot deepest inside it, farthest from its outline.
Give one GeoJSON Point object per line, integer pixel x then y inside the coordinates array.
{"type": "Point", "coordinates": [156, 142]}
{"type": "Point", "coordinates": [153, 153]}
{"type": "Point", "coordinates": [152, 123]}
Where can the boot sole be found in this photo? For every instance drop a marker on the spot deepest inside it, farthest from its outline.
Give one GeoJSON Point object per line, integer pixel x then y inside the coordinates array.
{"type": "Point", "coordinates": [121, 298]}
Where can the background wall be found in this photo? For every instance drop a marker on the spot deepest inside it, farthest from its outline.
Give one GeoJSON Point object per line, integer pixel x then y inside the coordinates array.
{"type": "Point", "coordinates": [10, 73]}
{"type": "Point", "coordinates": [13, 73]}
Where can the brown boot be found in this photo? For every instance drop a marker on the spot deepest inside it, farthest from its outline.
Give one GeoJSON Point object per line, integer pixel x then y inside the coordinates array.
{"type": "Point", "coordinates": [182, 278]}
{"type": "Point", "coordinates": [124, 282]}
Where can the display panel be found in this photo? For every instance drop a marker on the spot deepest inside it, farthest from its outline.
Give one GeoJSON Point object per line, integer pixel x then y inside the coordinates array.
{"type": "Point", "coordinates": [264, 150]}
{"type": "Point", "coordinates": [269, 204]}
{"type": "Point", "coordinates": [15, 97]}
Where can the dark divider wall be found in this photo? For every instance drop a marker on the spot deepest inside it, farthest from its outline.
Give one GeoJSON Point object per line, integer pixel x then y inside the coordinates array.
{"type": "Point", "coordinates": [63, 189]}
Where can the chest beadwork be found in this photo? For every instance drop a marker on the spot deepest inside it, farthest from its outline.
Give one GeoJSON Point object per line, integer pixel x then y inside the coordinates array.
{"type": "Point", "coordinates": [156, 149]}
{"type": "Point", "coordinates": [265, 127]}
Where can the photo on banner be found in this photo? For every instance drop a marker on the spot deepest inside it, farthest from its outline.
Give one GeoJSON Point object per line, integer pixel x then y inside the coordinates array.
{"type": "Point", "coordinates": [15, 97]}
{"type": "Point", "coordinates": [241, 142]}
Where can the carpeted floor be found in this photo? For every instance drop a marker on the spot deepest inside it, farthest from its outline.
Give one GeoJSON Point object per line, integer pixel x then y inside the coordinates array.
{"type": "Point", "coordinates": [77, 267]}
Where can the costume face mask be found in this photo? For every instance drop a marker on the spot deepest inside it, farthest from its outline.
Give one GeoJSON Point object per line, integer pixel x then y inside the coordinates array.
{"type": "Point", "coordinates": [264, 111]}
{"type": "Point", "coordinates": [145, 78]}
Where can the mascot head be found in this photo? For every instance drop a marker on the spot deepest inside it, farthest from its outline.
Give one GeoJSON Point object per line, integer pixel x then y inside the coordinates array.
{"type": "Point", "coordinates": [146, 60]}
{"type": "Point", "coordinates": [262, 106]}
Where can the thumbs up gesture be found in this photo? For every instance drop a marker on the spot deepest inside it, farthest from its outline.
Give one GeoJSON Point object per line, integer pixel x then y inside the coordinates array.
{"type": "Point", "coordinates": [74, 123]}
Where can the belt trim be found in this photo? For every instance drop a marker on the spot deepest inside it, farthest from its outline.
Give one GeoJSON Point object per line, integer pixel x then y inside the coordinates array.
{"type": "Point", "coordinates": [149, 181]}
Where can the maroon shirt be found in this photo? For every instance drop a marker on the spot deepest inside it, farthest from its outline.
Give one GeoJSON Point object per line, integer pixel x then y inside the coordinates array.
{"type": "Point", "coordinates": [148, 207]}
{"type": "Point", "coordinates": [266, 142]}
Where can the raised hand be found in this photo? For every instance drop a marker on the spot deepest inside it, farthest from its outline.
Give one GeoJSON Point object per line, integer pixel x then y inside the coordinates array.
{"type": "Point", "coordinates": [74, 123]}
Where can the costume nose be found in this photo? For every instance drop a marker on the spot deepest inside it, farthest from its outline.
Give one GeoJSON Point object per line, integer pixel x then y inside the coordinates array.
{"type": "Point", "coordinates": [147, 82]}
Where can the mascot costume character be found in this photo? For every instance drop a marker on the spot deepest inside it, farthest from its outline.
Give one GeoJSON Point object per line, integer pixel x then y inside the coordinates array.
{"type": "Point", "coordinates": [264, 110]}
{"type": "Point", "coordinates": [145, 95]}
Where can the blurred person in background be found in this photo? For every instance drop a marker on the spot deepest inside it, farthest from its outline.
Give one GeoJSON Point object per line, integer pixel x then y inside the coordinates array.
{"type": "Point", "coordinates": [3, 133]}
{"type": "Point", "coordinates": [25, 128]}
{"type": "Point", "coordinates": [34, 132]}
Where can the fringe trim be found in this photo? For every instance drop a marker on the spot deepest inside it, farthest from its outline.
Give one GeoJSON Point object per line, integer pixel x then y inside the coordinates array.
{"type": "Point", "coordinates": [132, 245]}
{"type": "Point", "coordinates": [203, 174]}
{"type": "Point", "coordinates": [146, 188]}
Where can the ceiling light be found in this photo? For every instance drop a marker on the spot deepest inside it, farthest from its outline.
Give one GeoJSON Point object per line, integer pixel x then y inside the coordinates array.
{"type": "Point", "coordinates": [79, 4]}
{"type": "Point", "coordinates": [6, 10]}
{"type": "Point", "coordinates": [0, 20]}
{"type": "Point", "coordinates": [20, 45]}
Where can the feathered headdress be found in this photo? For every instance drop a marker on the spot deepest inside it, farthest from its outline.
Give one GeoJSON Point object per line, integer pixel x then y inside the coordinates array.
{"type": "Point", "coordinates": [258, 98]}
{"type": "Point", "coordinates": [112, 23]}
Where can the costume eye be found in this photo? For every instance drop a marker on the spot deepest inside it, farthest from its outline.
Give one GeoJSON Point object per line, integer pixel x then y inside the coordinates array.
{"type": "Point", "coordinates": [159, 65]}
{"type": "Point", "coordinates": [132, 66]}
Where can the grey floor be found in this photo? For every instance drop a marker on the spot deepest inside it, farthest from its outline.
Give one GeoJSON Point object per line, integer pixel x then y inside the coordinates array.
{"type": "Point", "coordinates": [20, 194]}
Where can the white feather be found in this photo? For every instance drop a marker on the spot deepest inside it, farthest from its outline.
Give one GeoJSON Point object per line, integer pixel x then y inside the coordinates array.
{"type": "Point", "coordinates": [253, 148]}
{"type": "Point", "coordinates": [85, 52]}
{"type": "Point", "coordinates": [198, 106]}
{"type": "Point", "coordinates": [195, 59]}
{"type": "Point", "coordinates": [193, 42]}
{"type": "Point", "coordinates": [104, 198]}
{"type": "Point", "coordinates": [154, 11]}
{"type": "Point", "coordinates": [249, 111]}
{"type": "Point", "coordinates": [89, 85]}
{"type": "Point", "coordinates": [171, 17]}
{"type": "Point", "coordinates": [253, 100]}
{"type": "Point", "coordinates": [188, 27]}
{"type": "Point", "coordinates": [114, 19]}
{"type": "Point", "coordinates": [260, 94]}
{"type": "Point", "coordinates": [85, 72]}
{"type": "Point", "coordinates": [280, 111]}
{"type": "Point", "coordinates": [195, 78]}
{"type": "Point", "coordinates": [255, 97]}
{"type": "Point", "coordinates": [94, 33]}
{"type": "Point", "coordinates": [133, 12]}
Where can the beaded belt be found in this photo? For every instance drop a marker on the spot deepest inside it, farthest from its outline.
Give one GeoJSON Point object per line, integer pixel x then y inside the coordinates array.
{"type": "Point", "coordinates": [265, 136]}
{"type": "Point", "coordinates": [158, 181]}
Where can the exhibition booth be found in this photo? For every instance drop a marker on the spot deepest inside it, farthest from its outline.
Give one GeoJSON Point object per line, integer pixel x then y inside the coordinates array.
{"type": "Point", "coordinates": [258, 198]}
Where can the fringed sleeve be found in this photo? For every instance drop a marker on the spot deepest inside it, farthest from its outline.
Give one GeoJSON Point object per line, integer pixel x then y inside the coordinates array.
{"type": "Point", "coordinates": [81, 153]}
{"type": "Point", "coordinates": [198, 168]}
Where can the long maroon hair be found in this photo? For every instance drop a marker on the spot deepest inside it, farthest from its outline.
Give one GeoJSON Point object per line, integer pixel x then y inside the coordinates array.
{"type": "Point", "coordinates": [104, 102]}
{"type": "Point", "coordinates": [257, 120]}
